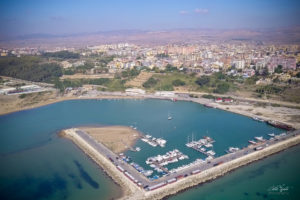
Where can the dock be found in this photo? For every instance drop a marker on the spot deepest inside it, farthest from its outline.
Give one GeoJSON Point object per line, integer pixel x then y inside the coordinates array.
{"type": "Point", "coordinates": [204, 152]}
{"type": "Point", "coordinates": [200, 144]}
{"type": "Point", "coordinates": [152, 141]}
{"type": "Point", "coordinates": [158, 162]}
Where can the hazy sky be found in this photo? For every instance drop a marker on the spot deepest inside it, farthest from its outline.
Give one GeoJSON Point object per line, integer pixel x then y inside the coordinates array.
{"type": "Point", "coordinates": [18, 17]}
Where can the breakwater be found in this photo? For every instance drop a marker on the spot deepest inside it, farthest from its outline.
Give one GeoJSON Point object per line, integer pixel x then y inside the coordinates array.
{"type": "Point", "coordinates": [131, 191]}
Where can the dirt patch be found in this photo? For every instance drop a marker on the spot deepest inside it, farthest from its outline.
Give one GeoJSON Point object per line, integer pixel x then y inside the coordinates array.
{"type": "Point", "coordinates": [139, 80]}
{"type": "Point", "coordinates": [116, 138]}
{"type": "Point", "coordinates": [87, 76]}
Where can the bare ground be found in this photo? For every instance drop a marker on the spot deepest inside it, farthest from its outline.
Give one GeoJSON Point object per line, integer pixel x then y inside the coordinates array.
{"type": "Point", "coordinates": [116, 138]}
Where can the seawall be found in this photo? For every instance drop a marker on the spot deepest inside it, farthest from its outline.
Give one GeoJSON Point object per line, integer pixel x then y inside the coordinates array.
{"type": "Point", "coordinates": [129, 188]}
{"type": "Point", "coordinates": [221, 170]}
{"type": "Point", "coordinates": [132, 192]}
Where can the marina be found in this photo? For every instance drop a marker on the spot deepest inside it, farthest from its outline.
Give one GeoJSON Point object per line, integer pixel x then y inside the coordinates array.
{"type": "Point", "coordinates": [202, 145]}
{"type": "Point", "coordinates": [152, 141]}
{"type": "Point", "coordinates": [232, 150]}
{"type": "Point", "coordinates": [172, 176]}
{"type": "Point", "coordinates": [260, 139]}
{"type": "Point", "coordinates": [252, 142]}
{"type": "Point", "coordinates": [133, 162]}
{"type": "Point", "coordinates": [158, 162]}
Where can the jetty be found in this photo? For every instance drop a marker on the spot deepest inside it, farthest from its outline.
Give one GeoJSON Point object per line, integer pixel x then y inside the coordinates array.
{"type": "Point", "coordinates": [152, 141]}
{"type": "Point", "coordinates": [158, 162]}
{"type": "Point", "coordinates": [138, 186]}
{"type": "Point", "coordinates": [201, 145]}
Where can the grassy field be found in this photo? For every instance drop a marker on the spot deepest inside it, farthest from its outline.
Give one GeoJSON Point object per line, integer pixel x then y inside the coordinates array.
{"type": "Point", "coordinates": [189, 82]}
{"type": "Point", "coordinates": [166, 81]}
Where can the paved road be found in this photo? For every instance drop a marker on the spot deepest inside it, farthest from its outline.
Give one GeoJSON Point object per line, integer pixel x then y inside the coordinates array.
{"type": "Point", "coordinates": [201, 166]}
{"type": "Point", "coordinates": [111, 155]}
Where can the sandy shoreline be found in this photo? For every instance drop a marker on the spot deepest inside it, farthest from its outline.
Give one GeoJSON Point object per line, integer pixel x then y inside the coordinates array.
{"type": "Point", "coordinates": [285, 115]}
{"type": "Point", "coordinates": [61, 99]}
{"type": "Point", "coordinates": [131, 191]}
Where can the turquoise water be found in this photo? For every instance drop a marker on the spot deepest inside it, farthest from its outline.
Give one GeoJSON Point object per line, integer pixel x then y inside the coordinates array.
{"type": "Point", "coordinates": [38, 164]}
{"type": "Point", "coordinates": [257, 181]}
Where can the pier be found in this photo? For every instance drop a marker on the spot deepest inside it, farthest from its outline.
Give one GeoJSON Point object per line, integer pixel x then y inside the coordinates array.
{"type": "Point", "coordinates": [158, 162]}
{"type": "Point", "coordinates": [198, 145]}
{"type": "Point", "coordinates": [199, 150]}
{"type": "Point", "coordinates": [152, 141]}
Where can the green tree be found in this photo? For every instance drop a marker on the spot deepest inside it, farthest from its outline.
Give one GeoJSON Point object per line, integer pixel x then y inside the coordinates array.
{"type": "Point", "coordinates": [151, 82]}
{"type": "Point", "coordinates": [130, 73]}
{"type": "Point", "coordinates": [178, 82]}
{"type": "Point", "coordinates": [29, 68]}
{"type": "Point", "coordinates": [222, 88]}
{"type": "Point", "coordinates": [219, 75]}
{"type": "Point", "coordinates": [269, 89]}
{"type": "Point", "coordinates": [62, 55]}
{"type": "Point", "coordinates": [170, 68]}
{"type": "Point", "coordinates": [69, 72]}
{"type": "Point", "coordinates": [278, 69]}
{"type": "Point", "coordinates": [203, 80]}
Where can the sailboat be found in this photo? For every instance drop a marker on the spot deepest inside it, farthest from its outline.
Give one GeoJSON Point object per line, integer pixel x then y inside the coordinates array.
{"type": "Point", "coordinates": [169, 117]}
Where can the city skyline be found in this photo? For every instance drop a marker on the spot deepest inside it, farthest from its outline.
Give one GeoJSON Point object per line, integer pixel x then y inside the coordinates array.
{"type": "Point", "coordinates": [72, 17]}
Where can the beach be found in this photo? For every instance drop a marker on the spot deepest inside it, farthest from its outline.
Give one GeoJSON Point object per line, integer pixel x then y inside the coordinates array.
{"type": "Point", "coordinates": [12, 103]}
{"type": "Point", "coordinates": [287, 112]}
{"type": "Point", "coordinates": [131, 191]}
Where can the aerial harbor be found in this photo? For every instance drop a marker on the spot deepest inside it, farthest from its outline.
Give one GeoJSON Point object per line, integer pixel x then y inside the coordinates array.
{"type": "Point", "coordinates": [160, 176]}
{"type": "Point", "coordinates": [149, 100]}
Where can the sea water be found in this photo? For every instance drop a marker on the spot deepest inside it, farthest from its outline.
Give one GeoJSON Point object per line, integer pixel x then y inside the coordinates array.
{"type": "Point", "coordinates": [37, 164]}
{"type": "Point", "coordinates": [276, 177]}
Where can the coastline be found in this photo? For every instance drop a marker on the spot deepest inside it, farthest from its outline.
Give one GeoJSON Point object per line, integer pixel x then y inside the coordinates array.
{"type": "Point", "coordinates": [57, 100]}
{"type": "Point", "coordinates": [131, 191]}
{"type": "Point", "coordinates": [266, 113]}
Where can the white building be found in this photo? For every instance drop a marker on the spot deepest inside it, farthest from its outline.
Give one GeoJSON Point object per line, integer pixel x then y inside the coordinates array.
{"type": "Point", "coordinates": [7, 90]}
{"type": "Point", "coordinates": [30, 87]}
{"type": "Point", "coordinates": [239, 64]}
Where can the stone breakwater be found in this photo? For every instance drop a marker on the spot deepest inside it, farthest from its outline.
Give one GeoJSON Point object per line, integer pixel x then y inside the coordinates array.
{"type": "Point", "coordinates": [132, 192]}
{"type": "Point", "coordinates": [129, 189]}
{"type": "Point", "coordinates": [220, 170]}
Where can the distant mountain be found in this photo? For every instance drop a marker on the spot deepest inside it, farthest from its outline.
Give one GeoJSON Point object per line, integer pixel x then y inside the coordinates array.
{"type": "Point", "coordinates": [289, 35]}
